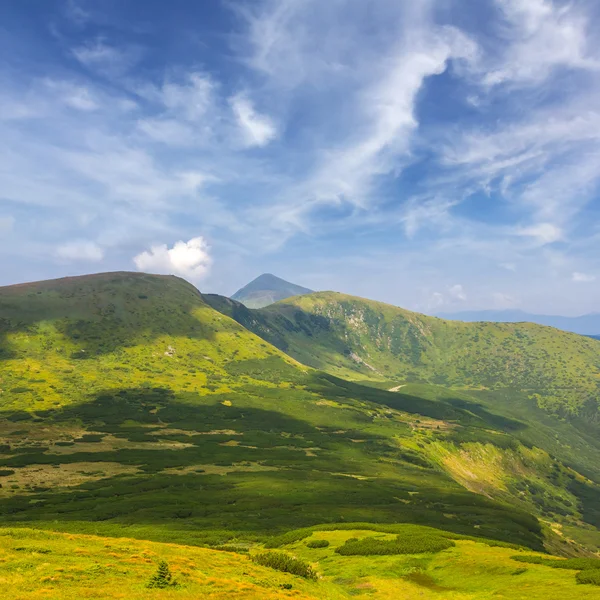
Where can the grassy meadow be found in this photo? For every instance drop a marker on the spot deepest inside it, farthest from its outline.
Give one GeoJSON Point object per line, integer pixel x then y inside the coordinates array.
{"type": "Point", "coordinates": [58, 566]}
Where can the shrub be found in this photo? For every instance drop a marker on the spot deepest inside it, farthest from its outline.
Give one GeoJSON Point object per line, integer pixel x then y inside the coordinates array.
{"type": "Point", "coordinates": [288, 538]}
{"type": "Point", "coordinates": [577, 564]}
{"type": "Point", "coordinates": [6, 472]}
{"type": "Point", "coordinates": [591, 576]}
{"type": "Point", "coordinates": [285, 563]}
{"type": "Point", "coordinates": [317, 544]}
{"type": "Point", "coordinates": [416, 544]}
{"type": "Point", "coordinates": [162, 578]}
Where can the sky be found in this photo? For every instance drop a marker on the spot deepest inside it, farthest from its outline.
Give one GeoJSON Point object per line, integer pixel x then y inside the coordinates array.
{"type": "Point", "coordinates": [440, 155]}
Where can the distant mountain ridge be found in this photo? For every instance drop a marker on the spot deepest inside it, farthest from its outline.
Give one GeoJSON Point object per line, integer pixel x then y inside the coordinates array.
{"type": "Point", "coordinates": [267, 289]}
{"type": "Point", "coordinates": [584, 325]}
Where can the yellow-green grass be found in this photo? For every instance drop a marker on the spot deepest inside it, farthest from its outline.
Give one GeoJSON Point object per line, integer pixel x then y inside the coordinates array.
{"type": "Point", "coordinates": [467, 571]}
{"type": "Point", "coordinates": [58, 566]}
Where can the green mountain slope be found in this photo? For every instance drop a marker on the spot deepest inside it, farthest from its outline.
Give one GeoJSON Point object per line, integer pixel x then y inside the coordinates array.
{"type": "Point", "coordinates": [266, 289]}
{"type": "Point", "coordinates": [127, 400]}
{"type": "Point", "coordinates": [359, 338]}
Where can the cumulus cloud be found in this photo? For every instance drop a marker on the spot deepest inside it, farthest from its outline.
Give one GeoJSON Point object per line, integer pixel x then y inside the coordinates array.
{"type": "Point", "coordinates": [258, 130]}
{"type": "Point", "coordinates": [578, 277]}
{"type": "Point", "coordinates": [80, 250]}
{"type": "Point", "coordinates": [191, 259]}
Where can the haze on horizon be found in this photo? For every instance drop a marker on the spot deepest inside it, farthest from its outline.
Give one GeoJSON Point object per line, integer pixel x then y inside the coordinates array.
{"type": "Point", "coordinates": [441, 155]}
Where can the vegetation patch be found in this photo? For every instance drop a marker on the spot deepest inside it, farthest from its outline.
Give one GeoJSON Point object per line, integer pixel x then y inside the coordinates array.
{"type": "Point", "coordinates": [281, 561]}
{"type": "Point", "coordinates": [577, 564]}
{"type": "Point", "coordinates": [592, 577]}
{"type": "Point", "coordinates": [163, 577]}
{"type": "Point", "coordinates": [372, 546]}
{"type": "Point", "coordinates": [317, 544]}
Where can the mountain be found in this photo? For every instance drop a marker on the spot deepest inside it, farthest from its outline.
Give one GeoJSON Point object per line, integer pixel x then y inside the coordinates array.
{"type": "Point", "coordinates": [584, 325]}
{"type": "Point", "coordinates": [126, 399]}
{"type": "Point", "coordinates": [267, 289]}
{"type": "Point", "coordinates": [363, 339]}
{"type": "Point", "coordinates": [131, 404]}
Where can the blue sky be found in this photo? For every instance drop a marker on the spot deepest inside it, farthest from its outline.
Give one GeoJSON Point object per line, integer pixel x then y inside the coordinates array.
{"type": "Point", "coordinates": [440, 155]}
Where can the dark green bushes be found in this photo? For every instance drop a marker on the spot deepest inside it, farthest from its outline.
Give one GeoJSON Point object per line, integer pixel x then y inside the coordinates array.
{"type": "Point", "coordinates": [163, 577]}
{"type": "Point", "coordinates": [285, 563]}
{"type": "Point", "coordinates": [591, 576]}
{"type": "Point", "coordinates": [288, 538]}
{"type": "Point", "coordinates": [577, 564]}
{"type": "Point", "coordinates": [317, 544]}
{"type": "Point", "coordinates": [415, 544]}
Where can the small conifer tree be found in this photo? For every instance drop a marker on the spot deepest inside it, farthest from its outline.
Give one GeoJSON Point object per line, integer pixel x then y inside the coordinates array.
{"type": "Point", "coordinates": [162, 578]}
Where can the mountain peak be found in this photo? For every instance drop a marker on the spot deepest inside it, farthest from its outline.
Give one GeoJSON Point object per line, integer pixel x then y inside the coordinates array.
{"type": "Point", "coordinates": [267, 289]}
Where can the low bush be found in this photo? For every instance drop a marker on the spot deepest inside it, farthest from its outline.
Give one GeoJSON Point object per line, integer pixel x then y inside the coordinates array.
{"type": "Point", "coordinates": [317, 544]}
{"type": "Point", "coordinates": [6, 472]}
{"type": "Point", "coordinates": [288, 538]}
{"type": "Point", "coordinates": [372, 546]}
{"type": "Point", "coordinates": [577, 564]}
{"type": "Point", "coordinates": [591, 576]}
{"type": "Point", "coordinates": [285, 563]}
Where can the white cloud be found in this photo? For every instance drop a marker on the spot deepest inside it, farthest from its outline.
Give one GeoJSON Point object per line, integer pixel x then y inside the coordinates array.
{"type": "Point", "coordinates": [457, 292]}
{"type": "Point", "coordinates": [258, 130]}
{"type": "Point", "coordinates": [80, 250]}
{"type": "Point", "coordinates": [73, 95]}
{"type": "Point", "coordinates": [583, 277]}
{"type": "Point", "coordinates": [541, 35]}
{"type": "Point", "coordinates": [108, 60]}
{"type": "Point", "coordinates": [191, 259]}
{"type": "Point", "coordinates": [509, 266]}
{"type": "Point", "coordinates": [435, 301]}
{"type": "Point", "coordinates": [191, 99]}
{"type": "Point", "coordinates": [542, 233]}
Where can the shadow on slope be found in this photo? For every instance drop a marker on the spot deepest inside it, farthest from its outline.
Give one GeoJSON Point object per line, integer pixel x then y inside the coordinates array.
{"type": "Point", "coordinates": [99, 313]}
{"type": "Point", "coordinates": [269, 473]}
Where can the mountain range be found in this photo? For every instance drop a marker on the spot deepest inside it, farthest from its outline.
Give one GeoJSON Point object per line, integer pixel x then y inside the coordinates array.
{"type": "Point", "coordinates": [584, 325]}
{"type": "Point", "coordinates": [267, 289]}
{"type": "Point", "coordinates": [133, 404]}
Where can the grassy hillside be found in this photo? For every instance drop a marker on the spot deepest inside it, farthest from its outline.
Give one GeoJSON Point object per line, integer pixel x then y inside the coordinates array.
{"type": "Point", "coordinates": [70, 567]}
{"type": "Point", "coordinates": [126, 399]}
{"type": "Point", "coordinates": [130, 406]}
{"type": "Point", "coordinates": [353, 337]}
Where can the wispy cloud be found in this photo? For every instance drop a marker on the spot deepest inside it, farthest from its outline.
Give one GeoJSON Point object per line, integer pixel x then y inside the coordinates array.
{"type": "Point", "coordinates": [583, 277]}
{"type": "Point", "coordinates": [258, 130]}
{"type": "Point", "coordinates": [80, 250]}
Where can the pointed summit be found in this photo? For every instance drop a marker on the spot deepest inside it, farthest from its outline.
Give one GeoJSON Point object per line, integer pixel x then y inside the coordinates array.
{"type": "Point", "coordinates": [266, 289]}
